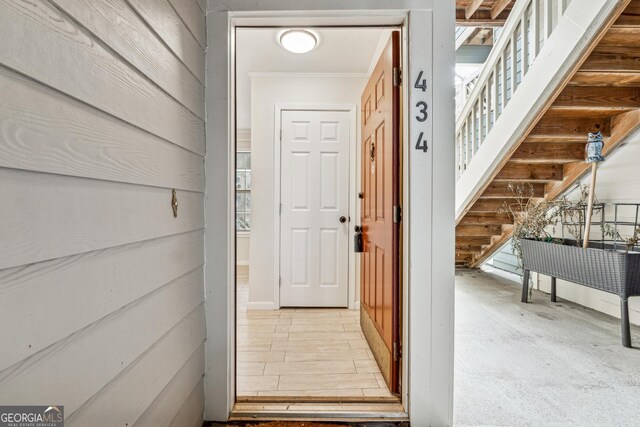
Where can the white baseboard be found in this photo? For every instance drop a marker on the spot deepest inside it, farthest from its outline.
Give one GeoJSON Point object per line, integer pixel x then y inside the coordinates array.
{"type": "Point", "coordinates": [261, 305]}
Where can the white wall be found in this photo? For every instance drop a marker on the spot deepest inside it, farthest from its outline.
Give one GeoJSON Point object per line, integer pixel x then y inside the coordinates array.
{"type": "Point", "coordinates": [618, 181]}
{"type": "Point", "coordinates": [101, 288]}
{"type": "Point", "coordinates": [266, 92]}
{"type": "Point", "coordinates": [243, 238]}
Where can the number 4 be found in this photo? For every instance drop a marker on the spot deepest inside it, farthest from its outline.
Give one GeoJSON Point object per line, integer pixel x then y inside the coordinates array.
{"type": "Point", "coordinates": [421, 83]}
{"type": "Point", "coordinates": [422, 143]}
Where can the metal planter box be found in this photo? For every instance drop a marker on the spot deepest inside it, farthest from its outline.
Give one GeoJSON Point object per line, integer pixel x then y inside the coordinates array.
{"type": "Point", "coordinates": [608, 270]}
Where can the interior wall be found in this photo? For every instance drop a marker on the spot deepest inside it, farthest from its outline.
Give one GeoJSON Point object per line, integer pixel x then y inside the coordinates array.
{"type": "Point", "coordinates": [266, 93]}
{"type": "Point", "coordinates": [101, 288]}
{"type": "Point", "coordinates": [243, 238]}
{"type": "Point", "coordinates": [617, 182]}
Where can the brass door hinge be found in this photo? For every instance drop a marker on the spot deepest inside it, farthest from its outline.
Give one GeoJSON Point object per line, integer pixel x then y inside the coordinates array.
{"type": "Point", "coordinates": [397, 76]}
{"type": "Point", "coordinates": [397, 214]}
{"type": "Point", "coordinates": [397, 351]}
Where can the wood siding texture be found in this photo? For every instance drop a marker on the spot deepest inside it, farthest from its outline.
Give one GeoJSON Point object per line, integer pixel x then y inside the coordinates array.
{"type": "Point", "coordinates": [101, 288]}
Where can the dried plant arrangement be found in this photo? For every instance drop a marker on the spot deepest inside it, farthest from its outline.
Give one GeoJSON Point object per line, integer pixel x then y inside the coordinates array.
{"type": "Point", "coordinates": [532, 218]}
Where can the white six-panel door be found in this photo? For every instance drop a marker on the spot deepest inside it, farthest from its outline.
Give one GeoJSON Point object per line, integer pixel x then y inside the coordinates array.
{"type": "Point", "coordinates": [314, 195]}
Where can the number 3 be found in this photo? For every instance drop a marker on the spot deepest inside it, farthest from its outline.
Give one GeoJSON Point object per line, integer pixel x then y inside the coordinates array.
{"type": "Point", "coordinates": [423, 111]}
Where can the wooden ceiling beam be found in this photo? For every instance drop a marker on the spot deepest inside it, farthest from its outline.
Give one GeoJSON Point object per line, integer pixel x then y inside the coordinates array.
{"type": "Point", "coordinates": [505, 190]}
{"type": "Point", "coordinates": [485, 218]}
{"type": "Point", "coordinates": [472, 8]}
{"type": "Point", "coordinates": [572, 127]}
{"type": "Point", "coordinates": [482, 17]}
{"type": "Point", "coordinates": [569, 111]}
{"type": "Point", "coordinates": [473, 240]}
{"type": "Point", "coordinates": [490, 250]}
{"type": "Point", "coordinates": [596, 97]}
{"type": "Point", "coordinates": [549, 152]}
{"type": "Point", "coordinates": [491, 205]}
{"type": "Point", "coordinates": [525, 172]}
{"type": "Point", "coordinates": [499, 7]}
{"type": "Point", "coordinates": [630, 17]}
{"type": "Point", "coordinates": [605, 78]}
{"type": "Point", "coordinates": [624, 36]}
{"type": "Point", "coordinates": [478, 230]}
{"type": "Point", "coordinates": [466, 249]}
{"type": "Point", "coordinates": [612, 62]}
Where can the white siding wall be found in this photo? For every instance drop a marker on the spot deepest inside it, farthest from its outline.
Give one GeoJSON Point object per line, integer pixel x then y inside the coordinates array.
{"type": "Point", "coordinates": [618, 181]}
{"type": "Point", "coordinates": [101, 288]}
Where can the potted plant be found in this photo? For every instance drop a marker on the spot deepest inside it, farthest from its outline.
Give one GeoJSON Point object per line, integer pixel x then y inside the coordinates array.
{"type": "Point", "coordinates": [599, 266]}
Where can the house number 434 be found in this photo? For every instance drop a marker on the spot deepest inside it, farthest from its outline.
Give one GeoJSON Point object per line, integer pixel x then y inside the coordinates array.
{"type": "Point", "coordinates": [422, 113]}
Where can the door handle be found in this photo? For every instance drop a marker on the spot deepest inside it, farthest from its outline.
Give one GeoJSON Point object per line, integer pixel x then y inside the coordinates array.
{"type": "Point", "coordinates": [343, 219]}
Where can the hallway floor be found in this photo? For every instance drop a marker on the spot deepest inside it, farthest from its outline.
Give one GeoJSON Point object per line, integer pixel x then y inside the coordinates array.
{"type": "Point", "coordinates": [542, 363]}
{"type": "Point", "coordinates": [303, 352]}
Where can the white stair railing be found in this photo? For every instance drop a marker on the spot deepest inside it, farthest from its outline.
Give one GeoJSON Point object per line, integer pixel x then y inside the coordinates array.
{"type": "Point", "coordinates": [529, 25]}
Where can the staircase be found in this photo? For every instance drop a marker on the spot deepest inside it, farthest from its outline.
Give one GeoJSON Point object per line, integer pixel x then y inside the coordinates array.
{"type": "Point", "coordinates": [559, 70]}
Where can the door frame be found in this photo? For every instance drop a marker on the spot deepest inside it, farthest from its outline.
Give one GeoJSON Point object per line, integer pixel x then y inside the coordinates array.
{"type": "Point", "coordinates": [277, 157]}
{"type": "Point", "coordinates": [428, 190]}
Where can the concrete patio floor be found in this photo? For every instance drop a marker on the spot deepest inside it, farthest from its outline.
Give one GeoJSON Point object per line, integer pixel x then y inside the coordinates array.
{"type": "Point", "coordinates": [542, 363]}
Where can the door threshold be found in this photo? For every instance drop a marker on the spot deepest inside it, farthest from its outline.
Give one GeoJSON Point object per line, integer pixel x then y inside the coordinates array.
{"type": "Point", "coordinates": [294, 410]}
{"type": "Point", "coordinates": [318, 399]}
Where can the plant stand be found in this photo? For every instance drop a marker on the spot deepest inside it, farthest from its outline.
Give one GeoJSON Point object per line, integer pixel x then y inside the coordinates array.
{"type": "Point", "coordinates": [607, 270]}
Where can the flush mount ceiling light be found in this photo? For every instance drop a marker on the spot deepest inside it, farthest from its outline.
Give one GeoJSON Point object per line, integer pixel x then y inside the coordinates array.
{"type": "Point", "coordinates": [298, 41]}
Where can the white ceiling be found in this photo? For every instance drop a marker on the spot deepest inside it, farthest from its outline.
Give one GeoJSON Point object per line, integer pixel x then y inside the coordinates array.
{"type": "Point", "coordinates": [340, 50]}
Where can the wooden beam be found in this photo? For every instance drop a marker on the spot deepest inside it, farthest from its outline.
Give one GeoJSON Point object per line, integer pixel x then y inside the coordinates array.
{"type": "Point", "coordinates": [620, 62]}
{"type": "Point", "coordinates": [490, 205]}
{"type": "Point", "coordinates": [570, 128]}
{"type": "Point", "coordinates": [630, 17]}
{"type": "Point", "coordinates": [518, 172]}
{"type": "Point", "coordinates": [501, 190]}
{"type": "Point", "coordinates": [605, 78]}
{"type": "Point", "coordinates": [485, 218]}
{"type": "Point", "coordinates": [622, 127]}
{"type": "Point", "coordinates": [490, 250]}
{"type": "Point", "coordinates": [624, 36]}
{"type": "Point", "coordinates": [570, 111]}
{"type": "Point", "coordinates": [472, 8]}
{"type": "Point", "coordinates": [473, 240]}
{"type": "Point", "coordinates": [549, 152]}
{"type": "Point", "coordinates": [482, 17]}
{"type": "Point", "coordinates": [463, 258]}
{"type": "Point", "coordinates": [466, 249]}
{"type": "Point", "coordinates": [499, 7]}
{"type": "Point", "coordinates": [598, 97]}
{"type": "Point", "coordinates": [478, 230]}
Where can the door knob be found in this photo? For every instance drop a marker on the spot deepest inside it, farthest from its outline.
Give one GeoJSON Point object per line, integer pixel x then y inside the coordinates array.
{"type": "Point", "coordinates": [343, 219]}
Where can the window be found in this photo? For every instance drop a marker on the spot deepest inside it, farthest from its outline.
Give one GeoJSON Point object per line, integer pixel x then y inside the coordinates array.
{"type": "Point", "coordinates": [243, 191]}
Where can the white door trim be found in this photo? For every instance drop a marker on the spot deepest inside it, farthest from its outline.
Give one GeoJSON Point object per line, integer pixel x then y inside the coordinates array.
{"type": "Point", "coordinates": [277, 147]}
{"type": "Point", "coordinates": [428, 223]}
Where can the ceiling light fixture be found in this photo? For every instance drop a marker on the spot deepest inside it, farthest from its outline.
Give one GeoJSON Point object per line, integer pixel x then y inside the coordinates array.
{"type": "Point", "coordinates": [298, 41]}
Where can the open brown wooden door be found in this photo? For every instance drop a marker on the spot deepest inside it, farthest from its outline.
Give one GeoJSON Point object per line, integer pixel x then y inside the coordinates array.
{"type": "Point", "coordinates": [380, 266]}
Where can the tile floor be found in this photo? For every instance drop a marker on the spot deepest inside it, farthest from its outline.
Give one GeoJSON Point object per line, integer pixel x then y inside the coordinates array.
{"type": "Point", "coordinates": [303, 352]}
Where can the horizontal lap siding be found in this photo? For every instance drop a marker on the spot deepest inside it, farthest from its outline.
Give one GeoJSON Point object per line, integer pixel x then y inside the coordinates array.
{"type": "Point", "coordinates": [101, 288]}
